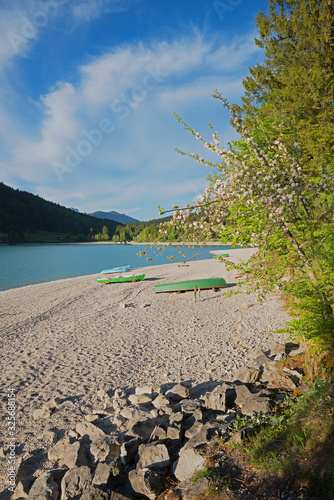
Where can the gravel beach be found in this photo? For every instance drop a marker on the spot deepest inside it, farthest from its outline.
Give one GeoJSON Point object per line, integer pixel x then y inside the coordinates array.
{"type": "Point", "coordinates": [72, 337]}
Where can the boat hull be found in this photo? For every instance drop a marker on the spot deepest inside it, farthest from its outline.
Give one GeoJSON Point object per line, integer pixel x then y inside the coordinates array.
{"type": "Point", "coordinates": [121, 269]}
{"type": "Point", "coordinates": [184, 286]}
{"type": "Point", "coordinates": [122, 278]}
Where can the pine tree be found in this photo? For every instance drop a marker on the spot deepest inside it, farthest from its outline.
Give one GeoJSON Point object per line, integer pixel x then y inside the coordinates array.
{"type": "Point", "coordinates": [290, 88]}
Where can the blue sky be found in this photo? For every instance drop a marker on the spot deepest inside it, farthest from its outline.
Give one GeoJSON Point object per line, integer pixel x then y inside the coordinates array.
{"type": "Point", "coordinates": [88, 91]}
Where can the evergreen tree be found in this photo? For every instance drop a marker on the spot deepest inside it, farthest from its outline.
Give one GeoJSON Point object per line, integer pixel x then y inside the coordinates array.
{"type": "Point", "coordinates": [105, 233]}
{"type": "Point", "coordinates": [290, 88]}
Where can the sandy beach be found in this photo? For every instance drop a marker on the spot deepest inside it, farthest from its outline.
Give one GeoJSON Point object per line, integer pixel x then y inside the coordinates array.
{"type": "Point", "coordinates": [72, 337]}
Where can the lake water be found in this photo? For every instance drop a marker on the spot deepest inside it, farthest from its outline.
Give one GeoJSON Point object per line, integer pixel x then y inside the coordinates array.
{"type": "Point", "coordinates": [28, 264]}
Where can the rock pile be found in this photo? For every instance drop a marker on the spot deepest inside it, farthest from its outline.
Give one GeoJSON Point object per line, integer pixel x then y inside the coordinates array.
{"type": "Point", "coordinates": [141, 440]}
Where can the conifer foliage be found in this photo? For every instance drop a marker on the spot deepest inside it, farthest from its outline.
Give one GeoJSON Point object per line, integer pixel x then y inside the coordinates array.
{"type": "Point", "coordinates": [291, 86]}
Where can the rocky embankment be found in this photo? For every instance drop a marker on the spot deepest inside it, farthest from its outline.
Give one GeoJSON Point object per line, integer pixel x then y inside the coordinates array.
{"type": "Point", "coordinates": [140, 441]}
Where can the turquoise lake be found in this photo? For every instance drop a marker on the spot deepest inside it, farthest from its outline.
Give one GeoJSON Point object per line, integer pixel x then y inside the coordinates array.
{"type": "Point", "coordinates": [28, 264]}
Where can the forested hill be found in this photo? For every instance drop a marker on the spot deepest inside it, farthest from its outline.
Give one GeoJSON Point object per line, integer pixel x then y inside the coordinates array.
{"type": "Point", "coordinates": [23, 215]}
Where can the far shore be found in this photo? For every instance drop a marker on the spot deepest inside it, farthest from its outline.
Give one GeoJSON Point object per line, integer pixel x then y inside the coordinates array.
{"type": "Point", "coordinates": [145, 243]}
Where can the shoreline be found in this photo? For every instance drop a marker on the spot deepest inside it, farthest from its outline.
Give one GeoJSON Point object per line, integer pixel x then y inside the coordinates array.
{"type": "Point", "coordinates": [155, 243]}
{"type": "Point", "coordinates": [30, 278]}
{"type": "Point", "coordinates": [71, 338]}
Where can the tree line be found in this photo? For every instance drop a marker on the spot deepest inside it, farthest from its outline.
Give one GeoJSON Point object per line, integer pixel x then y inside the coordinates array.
{"type": "Point", "coordinates": [23, 216]}
{"type": "Point", "coordinates": [27, 218]}
{"type": "Point", "coordinates": [143, 232]}
{"type": "Point", "coordinates": [140, 232]}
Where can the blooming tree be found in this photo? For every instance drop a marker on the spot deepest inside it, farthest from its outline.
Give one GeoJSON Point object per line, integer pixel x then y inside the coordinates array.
{"type": "Point", "coordinates": [260, 196]}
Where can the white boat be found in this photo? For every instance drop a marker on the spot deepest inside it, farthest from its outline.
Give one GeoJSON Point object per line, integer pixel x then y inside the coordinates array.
{"type": "Point", "coordinates": [120, 269]}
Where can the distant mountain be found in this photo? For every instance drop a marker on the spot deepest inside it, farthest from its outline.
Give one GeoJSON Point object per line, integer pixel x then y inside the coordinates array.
{"type": "Point", "coordinates": [115, 216]}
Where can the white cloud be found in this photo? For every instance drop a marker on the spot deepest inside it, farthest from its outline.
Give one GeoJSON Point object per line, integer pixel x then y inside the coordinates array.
{"type": "Point", "coordinates": [129, 67]}
{"type": "Point", "coordinates": [112, 87]}
{"type": "Point", "coordinates": [16, 30]}
{"type": "Point", "coordinates": [85, 11]}
{"type": "Point", "coordinates": [22, 24]}
{"type": "Point", "coordinates": [232, 56]}
{"type": "Point", "coordinates": [200, 89]}
{"type": "Point", "coordinates": [135, 88]}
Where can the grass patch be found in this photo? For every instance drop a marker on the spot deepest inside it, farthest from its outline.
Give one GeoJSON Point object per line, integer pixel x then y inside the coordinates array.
{"type": "Point", "coordinates": [207, 472]}
{"type": "Point", "coordinates": [297, 442]}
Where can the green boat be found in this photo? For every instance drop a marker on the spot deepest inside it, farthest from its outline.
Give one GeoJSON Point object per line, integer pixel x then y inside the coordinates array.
{"type": "Point", "coordinates": [121, 278]}
{"type": "Point", "coordinates": [184, 286]}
